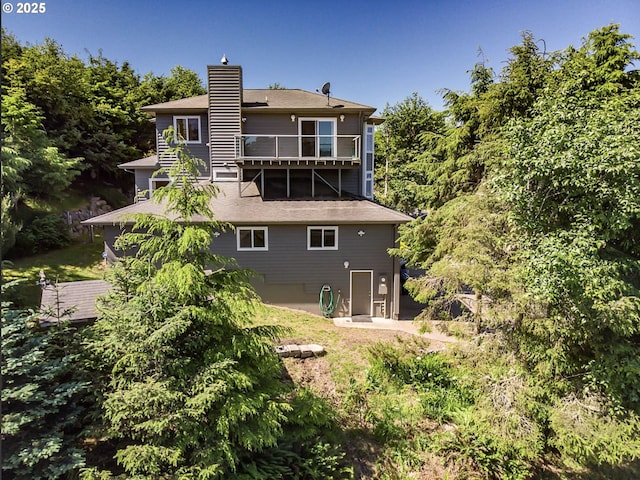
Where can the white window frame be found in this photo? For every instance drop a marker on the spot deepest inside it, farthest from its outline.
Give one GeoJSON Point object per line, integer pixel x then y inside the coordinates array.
{"type": "Point", "coordinates": [252, 248]}
{"type": "Point", "coordinates": [317, 136]}
{"type": "Point", "coordinates": [186, 118]}
{"type": "Point", "coordinates": [154, 180]}
{"type": "Point", "coordinates": [322, 228]}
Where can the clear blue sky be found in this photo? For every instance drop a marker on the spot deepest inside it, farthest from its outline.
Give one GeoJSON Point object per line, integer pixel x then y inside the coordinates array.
{"type": "Point", "coordinates": [373, 52]}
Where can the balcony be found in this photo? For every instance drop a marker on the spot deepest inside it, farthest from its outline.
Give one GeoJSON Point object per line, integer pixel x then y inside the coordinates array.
{"type": "Point", "coordinates": [298, 150]}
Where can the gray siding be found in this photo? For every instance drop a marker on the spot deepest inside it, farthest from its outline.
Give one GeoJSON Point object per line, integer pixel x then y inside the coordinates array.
{"type": "Point", "coordinates": [142, 176]}
{"type": "Point", "coordinates": [198, 150]}
{"type": "Point", "coordinates": [292, 276]}
{"type": "Point", "coordinates": [281, 124]}
{"type": "Point", "coordinates": [278, 124]}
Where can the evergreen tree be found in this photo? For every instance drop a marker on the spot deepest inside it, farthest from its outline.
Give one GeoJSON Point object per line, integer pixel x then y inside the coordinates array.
{"type": "Point", "coordinates": [192, 386]}
{"type": "Point", "coordinates": [30, 164]}
{"type": "Point", "coordinates": [43, 398]}
{"type": "Point", "coordinates": [573, 179]}
{"type": "Point", "coordinates": [406, 142]}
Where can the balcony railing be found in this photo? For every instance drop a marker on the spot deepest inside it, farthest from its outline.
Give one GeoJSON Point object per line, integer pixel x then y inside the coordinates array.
{"type": "Point", "coordinates": [318, 150]}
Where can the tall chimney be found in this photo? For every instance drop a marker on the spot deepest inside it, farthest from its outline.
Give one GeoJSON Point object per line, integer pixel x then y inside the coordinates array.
{"type": "Point", "coordinates": [225, 119]}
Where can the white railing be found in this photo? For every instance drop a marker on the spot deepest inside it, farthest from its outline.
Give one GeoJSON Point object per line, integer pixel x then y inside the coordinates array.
{"type": "Point", "coordinates": [295, 148]}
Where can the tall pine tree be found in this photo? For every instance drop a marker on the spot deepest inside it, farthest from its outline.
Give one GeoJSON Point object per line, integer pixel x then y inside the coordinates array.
{"type": "Point", "coordinates": [192, 386]}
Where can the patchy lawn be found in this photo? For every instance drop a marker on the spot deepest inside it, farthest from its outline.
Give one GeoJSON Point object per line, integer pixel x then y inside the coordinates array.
{"type": "Point", "coordinates": [335, 375]}
{"type": "Point", "coordinates": [80, 261]}
{"type": "Point", "coordinates": [346, 349]}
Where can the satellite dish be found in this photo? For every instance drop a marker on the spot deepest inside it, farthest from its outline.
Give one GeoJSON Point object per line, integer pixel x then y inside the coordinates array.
{"type": "Point", "coordinates": [325, 90]}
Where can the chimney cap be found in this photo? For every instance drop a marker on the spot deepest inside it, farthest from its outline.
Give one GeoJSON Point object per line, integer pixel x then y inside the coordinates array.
{"type": "Point", "coordinates": [224, 59]}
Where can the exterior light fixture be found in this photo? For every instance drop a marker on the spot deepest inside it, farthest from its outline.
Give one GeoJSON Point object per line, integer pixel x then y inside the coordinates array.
{"type": "Point", "coordinates": [216, 234]}
{"type": "Point", "coordinates": [346, 264]}
{"type": "Point", "coordinates": [293, 117]}
{"type": "Point", "coordinates": [244, 119]}
{"type": "Point", "coordinates": [342, 117]}
{"type": "Point", "coordinates": [361, 233]}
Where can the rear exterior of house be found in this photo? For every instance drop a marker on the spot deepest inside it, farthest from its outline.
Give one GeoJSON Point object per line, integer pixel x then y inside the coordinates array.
{"type": "Point", "coordinates": [295, 172]}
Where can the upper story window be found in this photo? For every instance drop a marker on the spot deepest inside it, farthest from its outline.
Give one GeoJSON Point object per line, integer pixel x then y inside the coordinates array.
{"type": "Point", "coordinates": [317, 137]}
{"type": "Point", "coordinates": [322, 238]}
{"type": "Point", "coordinates": [253, 238]}
{"type": "Point", "coordinates": [156, 183]}
{"type": "Point", "coordinates": [187, 129]}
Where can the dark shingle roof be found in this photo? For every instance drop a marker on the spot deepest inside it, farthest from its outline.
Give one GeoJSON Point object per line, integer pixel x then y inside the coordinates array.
{"type": "Point", "coordinates": [249, 208]}
{"type": "Point", "coordinates": [78, 296]}
{"type": "Point", "coordinates": [267, 100]}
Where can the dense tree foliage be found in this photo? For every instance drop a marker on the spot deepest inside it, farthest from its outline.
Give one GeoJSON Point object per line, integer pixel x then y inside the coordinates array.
{"type": "Point", "coordinates": [411, 129]}
{"type": "Point", "coordinates": [193, 388]}
{"type": "Point", "coordinates": [90, 109]}
{"type": "Point", "coordinates": [44, 396]}
{"type": "Point", "coordinates": [573, 181]}
{"type": "Point", "coordinates": [68, 121]}
{"type": "Point", "coordinates": [180, 353]}
{"type": "Point", "coordinates": [534, 206]}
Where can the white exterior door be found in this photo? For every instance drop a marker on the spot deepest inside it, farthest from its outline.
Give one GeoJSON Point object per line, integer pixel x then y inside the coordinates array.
{"type": "Point", "coordinates": [361, 292]}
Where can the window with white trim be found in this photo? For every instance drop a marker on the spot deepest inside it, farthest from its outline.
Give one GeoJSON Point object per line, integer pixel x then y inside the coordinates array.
{"type": "Point", "coordinates": [187, 129]}
{"type": "Point", "coordinates": [252, 238]}
{"type": "Point", "coordinates": [322, 238]}
{"type": "Point", "coordinates": [157, 182]}
{"type": "Point", "coordinates": [317, 137]}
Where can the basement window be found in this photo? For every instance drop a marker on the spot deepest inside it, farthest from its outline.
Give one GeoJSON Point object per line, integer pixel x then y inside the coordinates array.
{"type": "Point", "coordinates": [322, 238]}
{"type": "Point", "coordinates": [252, 238]}
{"type": "Point", "coordinates": [187, 129]}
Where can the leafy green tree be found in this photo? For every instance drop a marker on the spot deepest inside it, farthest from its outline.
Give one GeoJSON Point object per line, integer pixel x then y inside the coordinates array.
{"type": "Point", "coordinates": [120, 131]}
{"type": "Point", "coordinates": [55, 84]}
{"type": "Point", "coordinates": [181, 83]}
{"type": "Point", "coordinates": [192, 386]}
{"type": "Point", "coordinates": [30, 163]}
{"type": "Point", "coordinates": [406, 141]}
{"type": "Point", "coordinates": [573, 181]}
{"type": "Point", "coordinates": [465, 242]}
{"type": "Point", "coordinates": [9, 226]}
{"type": "Point", "coordinates": [464, 247]}
{"type": "Point", "coordinates": [43, 398]}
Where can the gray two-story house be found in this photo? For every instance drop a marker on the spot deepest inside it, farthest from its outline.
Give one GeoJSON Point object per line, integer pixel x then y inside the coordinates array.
{"type": "Point", "coordinates": [295, 173]}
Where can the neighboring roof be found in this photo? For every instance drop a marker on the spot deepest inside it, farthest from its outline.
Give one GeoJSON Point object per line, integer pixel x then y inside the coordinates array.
{"type": "Point", "coordinates": [80, 297]}
{"type": "Point", "coordinates": [250, 209]}
{"type": "Point", "coordinates": [148, 162]}
{"type": "Point", "coordinates": [267, 100]}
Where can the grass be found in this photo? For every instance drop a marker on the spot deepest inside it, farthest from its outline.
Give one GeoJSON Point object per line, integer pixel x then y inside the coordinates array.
{"type": "Point", "coordinates": [346, 356]}
{"type": "Point", "coordinates": [80, 261]}
{"type": "Point", "coordinates": [68, 200]}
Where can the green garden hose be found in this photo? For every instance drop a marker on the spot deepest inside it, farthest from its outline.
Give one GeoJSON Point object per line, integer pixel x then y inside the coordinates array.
{"type": "Point", "coordinates": [327, 305]}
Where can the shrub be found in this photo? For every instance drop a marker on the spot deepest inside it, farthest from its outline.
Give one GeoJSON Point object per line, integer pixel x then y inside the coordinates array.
{"type": "Point", "coordinates": [45, 232]}
{"type": "Point", "coordinates": [584, 432]}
